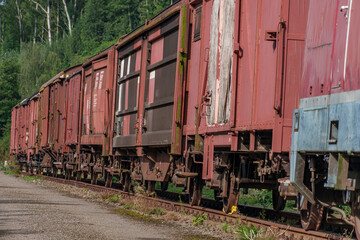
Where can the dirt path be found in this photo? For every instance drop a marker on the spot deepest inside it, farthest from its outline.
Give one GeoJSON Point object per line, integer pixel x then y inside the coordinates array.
{"type": "Point", "coordinates": [29, 211]}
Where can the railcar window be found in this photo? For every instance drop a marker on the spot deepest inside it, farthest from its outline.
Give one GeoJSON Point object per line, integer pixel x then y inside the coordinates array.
{"type": "Point", "coordinates": [197, 29]}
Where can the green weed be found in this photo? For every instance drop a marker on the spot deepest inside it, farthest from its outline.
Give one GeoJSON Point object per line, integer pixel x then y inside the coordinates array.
{"type": "Point", "coordinates": [248, 233]}
{"type": "Point", "coordinates": [31, 178]}
{"type": "Point", "coordinates": [199, 219]}
{"type": "Point", "coordinates": [156, 211]}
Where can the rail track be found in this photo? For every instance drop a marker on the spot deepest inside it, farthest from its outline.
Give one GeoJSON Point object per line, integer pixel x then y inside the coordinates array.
{"type": "Point", "coordinates": [217, 215]}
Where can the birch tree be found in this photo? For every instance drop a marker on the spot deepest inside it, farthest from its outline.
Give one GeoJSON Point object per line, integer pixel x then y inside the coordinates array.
{"type": "Point", "coordinates": [68, 16]}
{"type": "Point", "coordinates": [47, 11]}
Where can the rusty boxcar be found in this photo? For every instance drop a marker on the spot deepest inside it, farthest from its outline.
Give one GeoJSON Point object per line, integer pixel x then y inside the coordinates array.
{"type": "Point", "coordinates": [53, 103]}
{"type": "Point", "coordinates": [325, 160]}
{"type": "Point", "coordinates": [250, 68]}
{"type": "Point", "coordinates": [96, 113]}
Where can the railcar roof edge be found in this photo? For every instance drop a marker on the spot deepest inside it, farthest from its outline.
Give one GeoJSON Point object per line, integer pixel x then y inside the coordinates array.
{"type": "Point", "coordinates": [155, 21]}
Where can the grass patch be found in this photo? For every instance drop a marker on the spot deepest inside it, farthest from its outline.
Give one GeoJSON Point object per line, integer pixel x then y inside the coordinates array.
{"type": "Point", "coordinates": [31, 178]}
{"type": "Point", "coordinates": [156, 211]}
{"type": "Point", "coordinates": [208, 193]}
{"type": "Point", "coordinates": [135, 215]}
{"type": "Point", "coordinates": [128, 206]}
{"type": "Point", "coordinates": [257, 197]}
{"type": "Point", "coordinates": [114, 198]}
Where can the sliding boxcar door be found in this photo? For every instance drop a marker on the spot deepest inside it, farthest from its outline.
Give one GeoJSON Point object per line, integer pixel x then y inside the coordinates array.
{"type": "Point", "coordinates": [160, 83]}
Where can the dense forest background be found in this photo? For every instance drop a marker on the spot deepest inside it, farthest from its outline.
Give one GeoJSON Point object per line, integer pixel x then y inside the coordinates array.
{"type": "Point", "coordinates": [39, 38]}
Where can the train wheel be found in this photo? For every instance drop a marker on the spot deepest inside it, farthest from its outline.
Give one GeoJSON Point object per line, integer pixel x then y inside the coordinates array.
{"type": "Point", "coordinates": [311, 215]}
{"type": "Point", "coordinates": [150, 186]}
{"type": "Point", "coordinates": [77, 175]}
{"type": "Point", "coordinates": [195, 191]}
{"type": "Point", "coordinates": [356, 214]}
{"type": "Point", "coordinates": [278, 201]}
{"type": "Point", "coordinates": [127, 182]}
{"type": "Point", "coordinates": [55, 172]}
{"type": "Point", "coordinates": [94, 177]}
{"type": "Point", "coordinates": [108, 180]}
{"type": "Point", "coordinates": [231, 201]}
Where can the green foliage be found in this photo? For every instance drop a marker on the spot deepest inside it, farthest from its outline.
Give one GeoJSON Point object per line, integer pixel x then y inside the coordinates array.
{"type": "Point", "coordinates": [225, 227]}
{"type": "Point", "coordinates": [156, 211]}
{"type": "Point", "coordinates": [128, 206]}
{"type": "Point", "coordinates": [31, 178]}
{"type": "Point", "coordinates": [257, 197]}
{"type": "Point", "coordinates": [199, 219]}
{"type": "Point", "coordinates": [43, 65]}
{"type": "Point", "coordinates": [248, 233]}
{"type": "Point", "coordinates": [115, 198]}
{"type": "Point", "coordinates": [346, 209]}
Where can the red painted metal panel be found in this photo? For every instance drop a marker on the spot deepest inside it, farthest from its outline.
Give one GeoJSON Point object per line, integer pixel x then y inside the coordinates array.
{"type": "Point", "coordinates": [16, 130]}
{"type": "Point", "coordinates": [96, 107]}
{"type": "Point", "coordinates": [318, 49]}
{"type": "Point", "coordinates": [353, 52]}
{"type": "Point", "coordinates": [23, 129]}
{"type": "Point", "coordinates": [13, 131]}
{"type": "Point", "coordinates": [192, 83]}
{"type": "Point", "coordinates": [157, 49]}
{"type": "Point", "coordinates": [98, 101]}
{"type": "Point", "coordinates": [245, 93]}
{"type": "Point", "coordinates": [44, 116]}
{"type": "Point", "coordinates": [86, 105]}
{"type": "Point", "coordinates": [331, 60]}
{"type": "Point", "coordinates": [339, 44]}
{"type": "Point", "coordinates": [265, 65]}
{"type": "Point", "coordinates": [33, 124]}
{"type": "Point", "coordinates": [73, 108]}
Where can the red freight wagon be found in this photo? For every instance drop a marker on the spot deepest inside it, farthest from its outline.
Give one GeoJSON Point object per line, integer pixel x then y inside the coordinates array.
{"type": "Point", "coordinates": [22, 147]}
{"type": "Point", "coordinates": [72, 116]}
{"type": "Point", "coordinates": [151, 67]}
{"type": "Point", "coordinates": [32, 133]}
{"type": "Point", "coordinates": [73, 84]}
{"type": "Point", "coordinates": [96, 112]}
{"type": "Point", "coordinates": [253, 53]}
{"type": "Point", "coordinates": [53, 100]}
{"type": "Point", "coordinates": [57, 123]}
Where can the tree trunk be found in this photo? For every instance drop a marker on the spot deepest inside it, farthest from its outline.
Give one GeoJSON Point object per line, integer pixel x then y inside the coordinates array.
{"type": "Point", "coordinates": [35, 26]}
{"type": "Point", "coordinates": [20, 17]}
{"type": "Point", "coordinates": [0, 28]}
{"type": "Point", "coordinates": [68, 16]}
{"type": "Point", "coordinates": [74, 11]}
{"type": "Point", "coordinates": [43, 30]}
{"type": "Point", "coordinates": [57, 22]}
{"type": "Point", "coordinates": [48, 16]}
